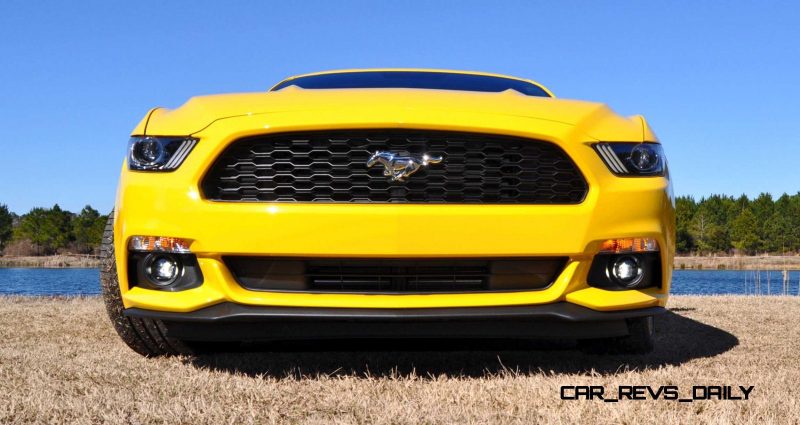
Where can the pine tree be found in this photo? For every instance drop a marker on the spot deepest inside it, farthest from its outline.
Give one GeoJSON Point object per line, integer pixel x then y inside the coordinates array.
{"type": "Point", "coordinates": [743, 232]}
{"type": "Point", "coordinates": [6, 225]}
{"type": "Point", "coordinates": [87, 228]}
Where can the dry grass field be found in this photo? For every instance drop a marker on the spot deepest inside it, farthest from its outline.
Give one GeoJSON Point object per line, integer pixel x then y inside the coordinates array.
{"type": "Point", "coordinates": [51, 261]}
{"type": "Point", "coordinates": [761, 262]}
{"type": "Point", "coordinates": [61, 362]}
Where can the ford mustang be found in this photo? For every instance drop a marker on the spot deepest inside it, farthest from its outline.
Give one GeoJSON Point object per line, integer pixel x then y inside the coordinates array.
{"type": "Point", "coordinates": [390, 203]}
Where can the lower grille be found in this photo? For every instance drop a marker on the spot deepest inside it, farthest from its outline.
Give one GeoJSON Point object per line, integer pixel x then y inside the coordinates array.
{"type": "Point", "coordinates": [394, 275]}
{"type": "Point", "coordinates": [331, 166]}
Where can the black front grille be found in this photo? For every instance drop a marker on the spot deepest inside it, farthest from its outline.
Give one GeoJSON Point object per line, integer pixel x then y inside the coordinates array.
{"type": "Point", "coordinates": [394, 275]}
{"type": "Point", "coordinates": [331, 166]}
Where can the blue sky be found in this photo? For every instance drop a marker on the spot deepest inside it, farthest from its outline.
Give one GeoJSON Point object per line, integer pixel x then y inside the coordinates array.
{"type": "Point", "coordinates": [717, 80]}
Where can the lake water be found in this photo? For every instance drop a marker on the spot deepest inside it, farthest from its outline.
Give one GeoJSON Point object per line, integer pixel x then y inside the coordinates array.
{"type": "Point", "coordinates": [742, 282]}
{"type": "Point", "coordinates": [50, 281]}
{"type": "Point", "coordinates": [86, 282]}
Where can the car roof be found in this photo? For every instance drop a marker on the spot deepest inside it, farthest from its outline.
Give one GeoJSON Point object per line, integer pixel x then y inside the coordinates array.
{"type": "Point", "coordinates": [443, 71]}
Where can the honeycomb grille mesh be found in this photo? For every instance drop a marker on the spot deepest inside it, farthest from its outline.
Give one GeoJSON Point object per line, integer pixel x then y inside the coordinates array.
{"type": "Point", "coordinates": [331, 166]}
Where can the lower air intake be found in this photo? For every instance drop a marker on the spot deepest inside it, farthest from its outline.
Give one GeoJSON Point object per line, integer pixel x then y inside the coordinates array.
{"type": "Point", "coordinates": [418, 276]}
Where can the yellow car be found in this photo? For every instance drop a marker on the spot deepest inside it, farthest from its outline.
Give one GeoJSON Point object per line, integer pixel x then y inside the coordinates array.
{"type": "Point", "coordinates": [390, 203]}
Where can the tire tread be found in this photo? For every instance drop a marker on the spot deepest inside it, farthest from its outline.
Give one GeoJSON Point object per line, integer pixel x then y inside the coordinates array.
{"type": "Point", "coordinates": [145, 336]}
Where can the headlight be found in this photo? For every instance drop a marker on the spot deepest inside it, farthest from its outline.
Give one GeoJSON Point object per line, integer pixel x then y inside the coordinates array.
{"type": "Point", "coordinates": [158, 153]}
{"type": "Point", "coordinates": [633, 159]}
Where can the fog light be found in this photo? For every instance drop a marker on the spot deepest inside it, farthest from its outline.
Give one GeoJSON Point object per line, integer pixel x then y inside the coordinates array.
{"type": "Point", "coordinates": [162, 270]}
{"type": "Point", "coordinates": [627, 271]}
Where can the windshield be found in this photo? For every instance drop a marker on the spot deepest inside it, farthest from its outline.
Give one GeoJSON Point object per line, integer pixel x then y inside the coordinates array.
{"type": "Point", "coordinates": [413, 80]}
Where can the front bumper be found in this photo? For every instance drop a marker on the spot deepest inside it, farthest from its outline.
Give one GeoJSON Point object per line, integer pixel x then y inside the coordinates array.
{"type": "Point", "coordinates": [235, 322]}
{"type": "Point", "coordinates": [170, 204]}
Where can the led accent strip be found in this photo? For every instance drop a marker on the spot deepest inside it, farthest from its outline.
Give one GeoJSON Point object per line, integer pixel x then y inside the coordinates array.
{"type": "Point", "coordinates": [611, 164]}
{"type": "Point", "coordinates": [180, 154]}
{"type": "Point", "coordinates": [611, 158]}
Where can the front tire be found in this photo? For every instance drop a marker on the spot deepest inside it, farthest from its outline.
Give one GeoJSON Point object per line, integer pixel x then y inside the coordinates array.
{"type": "Point", "coordinates": [147, 337]}
{"type": "Point", "coordinates": [640, 340]}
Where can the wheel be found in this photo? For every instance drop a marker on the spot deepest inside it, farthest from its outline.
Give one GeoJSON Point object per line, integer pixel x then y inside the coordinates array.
{"type": "Point", "coordinates": [145, 336]}
{"type": "Point", "coordinates": [640, 340]}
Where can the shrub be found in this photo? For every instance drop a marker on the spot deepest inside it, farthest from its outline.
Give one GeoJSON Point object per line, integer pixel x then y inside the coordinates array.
{"type": "Point", "coordinates": [21, 248]}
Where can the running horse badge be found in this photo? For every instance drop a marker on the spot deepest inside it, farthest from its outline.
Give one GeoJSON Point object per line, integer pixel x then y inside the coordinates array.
{"type": "Point", "coordinates": [397, 167]}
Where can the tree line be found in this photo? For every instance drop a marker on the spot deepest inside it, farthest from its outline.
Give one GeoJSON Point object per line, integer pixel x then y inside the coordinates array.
{"type": "Point", "coordinates": [47, 231]}
{"type": "Point", "coordinates": [716, 224]}
{"type": "Point", "coordinates": [724, 224]}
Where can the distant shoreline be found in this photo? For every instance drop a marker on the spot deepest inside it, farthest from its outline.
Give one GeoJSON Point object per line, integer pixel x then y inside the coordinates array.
{"type": "Point", "coordinates": [755, 262]}
{"type": "Point", "coordinates": [51, 262]}
{"type": "Point", "coordinates": [764, 262]}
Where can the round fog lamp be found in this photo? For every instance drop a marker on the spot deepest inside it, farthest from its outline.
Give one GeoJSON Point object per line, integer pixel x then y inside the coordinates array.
{"type": "Point", "coordinates": [644, 157]}
{"type": "Point", "coordinates": [162, 270]}
{"type": "Point", "coordinates": [627, 271]}
{"type": "Point", "coordinates": [148, 151]}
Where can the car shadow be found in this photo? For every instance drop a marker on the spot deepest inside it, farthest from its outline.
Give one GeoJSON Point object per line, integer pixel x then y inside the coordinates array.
{"type": "Point", "coordinates": [678, 340]}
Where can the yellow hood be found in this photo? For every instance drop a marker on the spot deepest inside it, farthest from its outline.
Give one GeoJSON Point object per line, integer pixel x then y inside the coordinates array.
{"type": "Point", "coordinates": [595, 120]}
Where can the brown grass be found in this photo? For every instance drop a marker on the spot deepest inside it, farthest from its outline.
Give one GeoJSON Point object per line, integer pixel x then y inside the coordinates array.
{"type": "Point", "coordinates": [61, 362]}
{"type": "Point", "coordinates": [763, 262]}
{"type": "Point", "coordinates": [51, 261]}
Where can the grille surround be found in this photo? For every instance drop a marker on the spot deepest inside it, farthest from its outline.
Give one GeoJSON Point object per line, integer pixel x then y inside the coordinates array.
{"type": "Point", "coordinates": [394, 276]}
{"type": "Point", "coordinates": [330, 167]}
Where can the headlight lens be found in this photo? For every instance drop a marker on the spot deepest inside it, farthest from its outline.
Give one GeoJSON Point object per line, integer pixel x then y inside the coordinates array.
{"type": "Point", "coordinates": [644, 158]}
{"type": "Point", "coordinates": [158, 153]}
{"type": "Point", "coordinates": [633, 159]}
{"type": "Point", "coordinates": [147, 152]}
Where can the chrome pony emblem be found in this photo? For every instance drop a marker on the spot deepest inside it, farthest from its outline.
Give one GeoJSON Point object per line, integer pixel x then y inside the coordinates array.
{"type": "Point", "coordinates": [397, 167]}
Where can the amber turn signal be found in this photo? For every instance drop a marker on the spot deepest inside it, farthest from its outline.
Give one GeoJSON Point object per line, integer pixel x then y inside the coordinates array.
{"type": "Point", "coordinates": [159, 243]}
{"type": "Point", "coordinates": [617, 246]}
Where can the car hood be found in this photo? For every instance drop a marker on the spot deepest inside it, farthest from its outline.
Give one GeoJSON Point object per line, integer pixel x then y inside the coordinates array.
{"type": "Point", "coordinates": [595, 119]}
